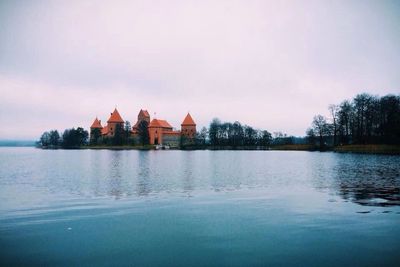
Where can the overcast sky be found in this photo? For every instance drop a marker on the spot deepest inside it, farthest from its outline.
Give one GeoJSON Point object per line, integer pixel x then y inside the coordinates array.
{"type": "Point", "coordinates": [269, 64]}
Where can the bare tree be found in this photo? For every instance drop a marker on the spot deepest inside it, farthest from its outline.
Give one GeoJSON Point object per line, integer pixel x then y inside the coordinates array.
{"type": "Point", "coordinates": [334, 109]}
{"type": "Point", "coordinates": [203, 135]}
{"type": "Point", "coordinates": [321, 128]}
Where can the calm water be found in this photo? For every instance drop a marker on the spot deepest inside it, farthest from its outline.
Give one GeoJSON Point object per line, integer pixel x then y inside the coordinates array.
{"type": "Point", "coordinates": [198, 208]}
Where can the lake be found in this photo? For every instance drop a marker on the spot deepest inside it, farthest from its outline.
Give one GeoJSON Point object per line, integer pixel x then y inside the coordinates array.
{"type": "Point", "coordinates": [198, 208]}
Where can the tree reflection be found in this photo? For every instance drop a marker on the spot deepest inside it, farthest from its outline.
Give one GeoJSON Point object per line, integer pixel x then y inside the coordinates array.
{"type": "Point", "coordinates": [115, 184]}
{"type": "Point", "coordinates": [143, 174]}
{"type": "Point", "coordinates": [188, 183]}
{"type": "Point", "coordinates": [369, 181]}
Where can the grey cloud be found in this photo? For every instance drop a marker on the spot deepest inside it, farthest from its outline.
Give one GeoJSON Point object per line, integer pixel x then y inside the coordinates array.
{"type": "Point", "coordinates": [272, 64]}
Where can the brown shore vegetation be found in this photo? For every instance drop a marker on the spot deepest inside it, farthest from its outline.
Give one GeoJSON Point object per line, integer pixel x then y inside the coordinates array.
{"type": "Point", "coordinates": [369, 149]}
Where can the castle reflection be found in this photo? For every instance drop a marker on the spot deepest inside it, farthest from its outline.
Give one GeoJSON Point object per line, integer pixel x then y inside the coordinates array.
{"type": "Point", "coordinates": [362, 179]}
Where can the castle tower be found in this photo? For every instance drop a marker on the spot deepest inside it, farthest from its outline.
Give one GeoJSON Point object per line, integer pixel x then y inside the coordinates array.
{"type": "Point", "coordinates": [114, 122]}
{"type": "Point", "coordinates": [142, 116]}
{"type": "Point", "coordinates": [96, 124]}
{"type": "Point", "coordinates": [95, 129]}
{"type": "Point", "coordinates": [188, 127]}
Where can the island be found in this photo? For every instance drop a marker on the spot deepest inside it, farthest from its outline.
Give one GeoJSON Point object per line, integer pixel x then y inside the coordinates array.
{"type": "Point", "coordinates": [365, 124]}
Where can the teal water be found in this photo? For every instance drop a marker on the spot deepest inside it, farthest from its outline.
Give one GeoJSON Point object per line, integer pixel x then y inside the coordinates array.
{"type": "Point", "coordinates": [198, 208]}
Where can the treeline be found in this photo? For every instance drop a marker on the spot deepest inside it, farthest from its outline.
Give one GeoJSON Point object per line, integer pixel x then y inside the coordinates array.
{"type": "Point", "coordinates": [218, 135]}
{"type": "Point", "coordinates": [76, 138]}
{"type": "Point", "coordinates": [366, 119]}
{"type": "Point", "coordinates": [71, 138]}
{"type": "Point", "coordinates": [228, 134]}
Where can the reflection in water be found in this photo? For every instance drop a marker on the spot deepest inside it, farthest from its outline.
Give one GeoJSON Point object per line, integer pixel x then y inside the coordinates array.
{"type": "Point", "coordinates": [126, 208]}
{"type": "Point", "coordinates": [115, 176]}
{"type": "Point", "coordinates": [362, 179]}
{"type": "Point", "coordinates": [229, 171]}
{"type": "Point", "coordinates": [143, 174]}
{"type": "Point", "coordinates": [369, 181]}
{"type": "Point", "coordinates": [188, 172]}
{"type": "Point", "coordinates": [95, 166]}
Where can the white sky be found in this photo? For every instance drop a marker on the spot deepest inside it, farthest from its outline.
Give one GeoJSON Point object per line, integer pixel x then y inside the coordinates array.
{"type": "Point", "coordinates": [270, 64]}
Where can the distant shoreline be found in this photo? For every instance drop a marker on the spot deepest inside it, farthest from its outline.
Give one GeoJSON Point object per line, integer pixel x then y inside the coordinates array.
{"type": "Point", "coordinates": [17, 143]}
{"type": "Point", "coordinates": [358, 149]}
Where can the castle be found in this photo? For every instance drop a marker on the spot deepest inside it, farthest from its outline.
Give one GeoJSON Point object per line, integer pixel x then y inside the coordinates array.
{"type": "Point", "coordinates": [160, 131]}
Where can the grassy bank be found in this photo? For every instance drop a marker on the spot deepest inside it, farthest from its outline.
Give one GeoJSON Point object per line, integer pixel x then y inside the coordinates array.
{"type": "Point", "coordinates": [369, 149]}
{"type": "Point", "coordinates": [364, 149]}
{"type": "Point", "coordinates": [294, 147]}
{"type": "Point", "coordinates": [125, 147]}
{"type": "Point", "coordinates": [210, 147]}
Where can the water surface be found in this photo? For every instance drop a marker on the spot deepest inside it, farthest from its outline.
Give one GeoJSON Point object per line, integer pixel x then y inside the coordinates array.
{"type": "Point", "coordinates": [198, 208]}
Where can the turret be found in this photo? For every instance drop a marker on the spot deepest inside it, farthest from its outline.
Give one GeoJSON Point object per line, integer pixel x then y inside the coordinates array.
{"type": "Point", "coordinates": [96, 129]}
{"type": "Point", "coordinates": [188, 127]}
{"type": "Point", "coordinates": [113, 122]}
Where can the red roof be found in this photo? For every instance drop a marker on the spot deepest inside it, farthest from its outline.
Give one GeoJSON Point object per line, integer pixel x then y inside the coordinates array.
{"type": "Point", "coordinates": [104, 130]}
{"type": "Point", "coordinates": [144, 113]}
{"type": "Point", "coordinates": [96, 124]}
{"type": "Point", "coordinates": [188, 120]}
{"type": "Point", "coordinates": [160, 123]}
{"type": "Point", "coordinates": [115, 117]}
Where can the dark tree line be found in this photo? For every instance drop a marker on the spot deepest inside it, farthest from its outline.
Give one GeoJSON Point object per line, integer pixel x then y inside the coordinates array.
{"type": "Point", "coordinates": [50, 139]}
{"type": "Point", "coordinates": [283, 139]}
{"type": "Point", "coordinates": [235, 134]}
{"type": "Point", "coordinates": [366, 119]}
{"type": "Point", "coordinates": [74, 137]}
{"type": "Point", "coordinates": [71, 138]}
